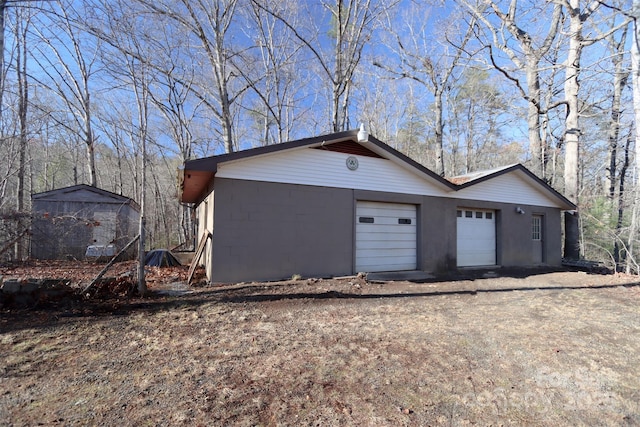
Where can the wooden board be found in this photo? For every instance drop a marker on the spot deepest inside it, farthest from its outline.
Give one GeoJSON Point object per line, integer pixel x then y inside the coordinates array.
{"type": "Point", "coordinates": [198, 254]}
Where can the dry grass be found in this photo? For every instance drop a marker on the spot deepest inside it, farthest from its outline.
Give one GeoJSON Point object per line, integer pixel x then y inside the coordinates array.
{"type": "Point", "coordinates": [340, 352]}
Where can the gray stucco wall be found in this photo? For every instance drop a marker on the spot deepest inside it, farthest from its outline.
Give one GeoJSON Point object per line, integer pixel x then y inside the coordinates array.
{"type": "Point", "coordinates": [271, 231]}
{"type": "Point", "coordinates": [514, 246]}
{"type": "Point", "coordinates": [517, 248]}
{"type": "Point", "coordinates": [437, 230]}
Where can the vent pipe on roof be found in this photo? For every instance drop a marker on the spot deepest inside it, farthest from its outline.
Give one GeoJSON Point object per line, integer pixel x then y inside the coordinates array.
{"type": "Point", "coordinates": [363, 135]}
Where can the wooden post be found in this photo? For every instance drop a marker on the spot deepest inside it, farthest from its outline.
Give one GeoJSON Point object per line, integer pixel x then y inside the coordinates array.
{"type": "Point", "coordinates": [197, 255]}
{"type": "Point", "coordinates": [109, 264]}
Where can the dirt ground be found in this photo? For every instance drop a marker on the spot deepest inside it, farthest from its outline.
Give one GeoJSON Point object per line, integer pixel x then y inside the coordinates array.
{"type": "Point", "coordinates": [559, 348]}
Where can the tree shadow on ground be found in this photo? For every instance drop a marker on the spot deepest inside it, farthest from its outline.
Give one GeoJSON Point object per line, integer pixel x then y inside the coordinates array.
{"type": "Point", "coordinates": [52, 314]}
{"type": "Point", "coordinates": [354, 296]}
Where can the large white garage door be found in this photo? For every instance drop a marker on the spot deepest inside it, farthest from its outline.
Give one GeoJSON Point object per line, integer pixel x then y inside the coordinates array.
{"type": "Point", "coordinates": [476, 237]}
{"type": "Point", "coordinates": [385, 237]}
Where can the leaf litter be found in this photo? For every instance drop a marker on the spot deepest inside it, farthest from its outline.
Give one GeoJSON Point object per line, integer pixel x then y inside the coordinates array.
{"type": "Point", "coordinates": [547, 349]}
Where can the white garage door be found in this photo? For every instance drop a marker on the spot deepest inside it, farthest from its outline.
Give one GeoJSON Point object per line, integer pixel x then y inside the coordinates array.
{"type": "Point", "coordinates": [476, 237]}
{"type": "Point", "coordinates": [385, 237]}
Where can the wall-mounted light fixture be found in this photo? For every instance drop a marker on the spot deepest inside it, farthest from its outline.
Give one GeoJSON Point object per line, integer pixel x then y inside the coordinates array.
{"type": "Point", "coordinates": [519, 210]}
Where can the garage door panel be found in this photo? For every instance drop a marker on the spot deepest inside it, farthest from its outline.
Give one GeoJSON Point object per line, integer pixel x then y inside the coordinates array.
{"type": "Point", "coordinates": [387, 212]}
{"type": "Point", "coordinates": [372, 264]}
{"type": "Point", "coordinates": [389, 267]}
{"type": "Point", "coordinates": [388, 253]}
{"type": "Point", "coordinates": [476, 238]}
{"type": "Point", "coordinates": [398, 220]}
{"type": "Point", "coordinates": [385, 237]}
{"type": "Point", "coordinates": [381, 207]}
{"type": "Point", "coordinates": [385, 230]}
{"type": "Point", "coordinates": [386, 244]}
{"type": "Point", "coordinates": [471, 258]}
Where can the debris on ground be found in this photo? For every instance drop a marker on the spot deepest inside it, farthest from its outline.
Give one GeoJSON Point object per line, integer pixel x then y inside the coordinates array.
{"type": "Point", "coordinates": [34, 283]}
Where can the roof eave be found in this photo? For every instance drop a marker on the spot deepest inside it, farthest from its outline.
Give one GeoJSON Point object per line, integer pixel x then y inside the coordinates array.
{"type": "Point", "coordinates": [563, 203]}
{"type": "Point", "coordinates": [209, 165]}
{"type": "Point", "coordinates": [117, 198]}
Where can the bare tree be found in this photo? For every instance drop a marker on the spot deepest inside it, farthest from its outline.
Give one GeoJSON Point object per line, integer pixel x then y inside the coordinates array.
{"type": "Point", "coordinates": [578, 15]}
{"type": "Point", "coordinates": [526, 56]}
{"type": "Point", "coordinates": [476, 107]}
{"type": "Point", "coordinates": [173, 106]}
{"type": "Point", "coordinates": [620, 76]}
{"type": "Point", "coordinates": [209, 22]}
{"type": "Point", "coordinates": [550, 121]}
{"type": "Point", "coordinates": [135, 74]}
{"type": "Point", "coordinates": [20, 32]}
{"type": "Point", "coordinates": [269, 68]}
{"type": "Point", "coordinates": [352, 25]}
{"type": "Point", "coordinates": [3, 12]}
{"type": "Point", "coordinates": [4, 6]}
{"type": "Point", "coordinates": [433, 69]}
{"type": "Point", "coordinates": [382, 113]}
{"type": "Point", "coordinates": [68, 61]}
{"type": "Point", "coordinates": [129, 64]}
{"type": "Point", "coordinates": [635, 77]}
{"type": "Point", "coordinates": [14, 121]}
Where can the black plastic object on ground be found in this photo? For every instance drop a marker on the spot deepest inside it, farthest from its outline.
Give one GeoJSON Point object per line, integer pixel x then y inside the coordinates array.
{"type": "Point", "coordinates": [161, 258]}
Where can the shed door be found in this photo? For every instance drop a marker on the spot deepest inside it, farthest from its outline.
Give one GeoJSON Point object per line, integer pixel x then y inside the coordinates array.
{"type": "Point", "coordinates": [476, 237]}
{"type": "Point", "coordinates": [385, 237]}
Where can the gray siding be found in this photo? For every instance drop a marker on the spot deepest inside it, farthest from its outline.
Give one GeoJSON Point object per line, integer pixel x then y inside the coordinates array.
{"type": "Point", "coordinates": [517, 244]}
{"type": "Point", "coordinates": [513, 232]}
{"type": "Point", "coordinates": [271, 231]}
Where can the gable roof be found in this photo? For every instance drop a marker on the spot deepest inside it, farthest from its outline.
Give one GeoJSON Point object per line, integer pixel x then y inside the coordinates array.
{"type": "Point", "coordinates": [198, 174]}
{"type": "Point", "coordinates": [478, 177]}
{"type": "Point", "coordinates": [82, 193]}
{"type": "Point", "coordinates": [460, 180]}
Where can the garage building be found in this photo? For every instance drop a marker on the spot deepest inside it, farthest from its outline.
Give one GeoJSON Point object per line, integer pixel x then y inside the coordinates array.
{"type": "Point", "coordinates": [340, 204]}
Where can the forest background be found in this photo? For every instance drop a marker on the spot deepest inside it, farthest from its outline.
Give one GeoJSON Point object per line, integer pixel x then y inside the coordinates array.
{"type": "Point", "coordinates": [118, 94]}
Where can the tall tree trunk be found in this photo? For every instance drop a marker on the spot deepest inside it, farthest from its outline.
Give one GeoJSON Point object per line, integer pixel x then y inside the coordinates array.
{"type": "Point", "coordinates": [439, 130]}
{"type": "Point", "coordinates": [3, 8]}
{"type": "Point", "coordinates": [531, 65]}
{"type": "Point", "coordinates": [227, 121]}
{"type": "Point", "coordinates": [142, 226]}
{"type": "Point", "coordinates": [91, 162]}
{"type": "Point", "coordinates": [623, 173]}
{"type": "Point", "coordinates": [533, 118]}
{"type": "Point", "coordinates": [619, 82]}
{"type": "Point", "coordinates": [141, 89]}
{"type": "Point", "coordinates": [572, 130]}
{"type": "Point", "coordinates": [337, 72]}
{"type": "Point", "coordinates": [89, 140]}
{"type": "Point", "coordinates": [23, 97]}
{"type": "Point", "coordinates": [635, 76]}
{"type": "Point", "coordinates": [468, 159]}
{"type": "Point", "coordinates": [577, 17]}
